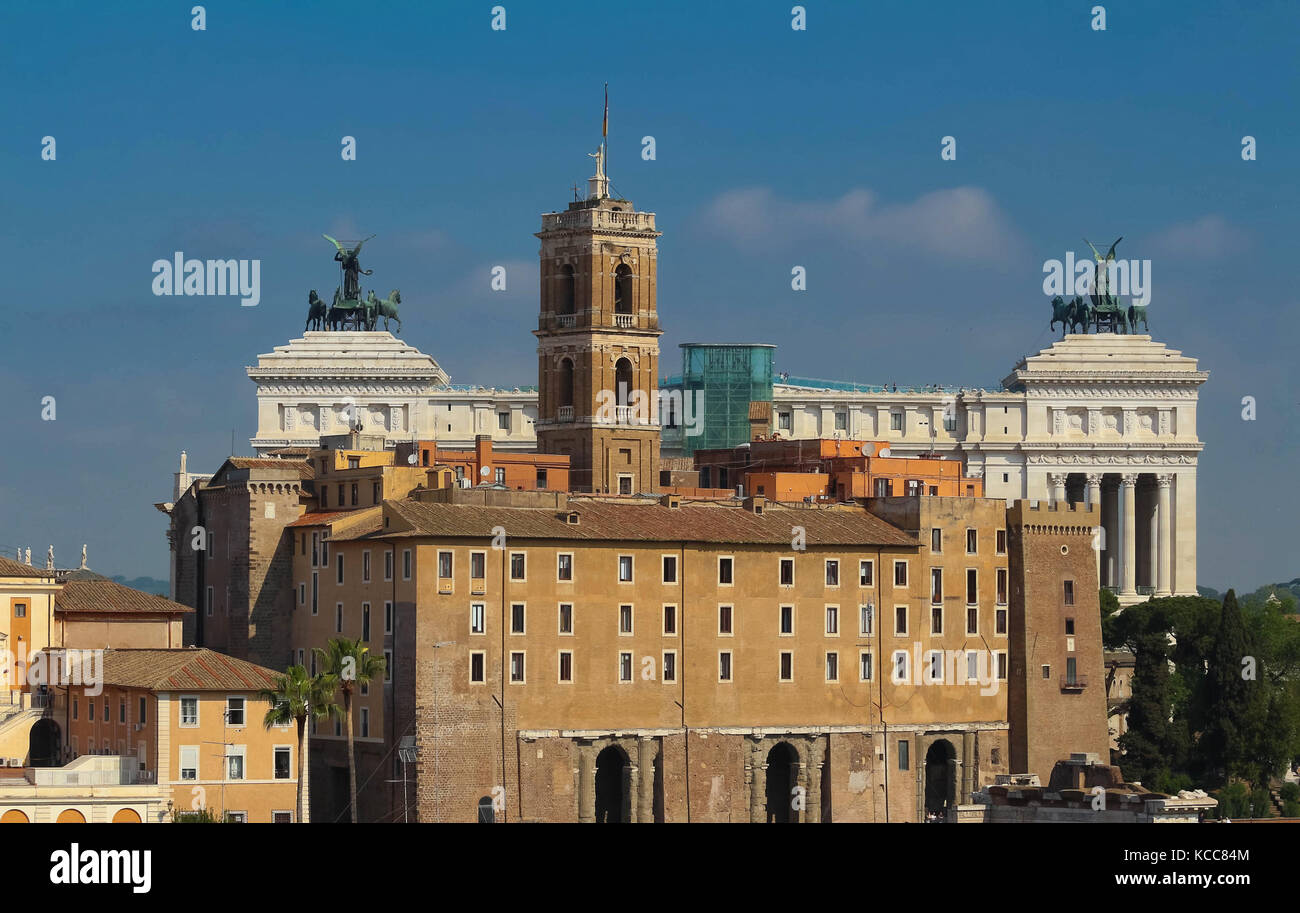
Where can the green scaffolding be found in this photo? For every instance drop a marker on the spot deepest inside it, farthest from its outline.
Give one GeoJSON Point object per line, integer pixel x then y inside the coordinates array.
{"type": "Point", "coordinates": [719, 381]}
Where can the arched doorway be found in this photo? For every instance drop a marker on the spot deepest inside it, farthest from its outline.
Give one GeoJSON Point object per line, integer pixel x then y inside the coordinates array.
{"type": "Point", "coordinates": [566, 382]}
{"type": "Point", "coordinates": [487, 812]}
{"type": "Point", "coordinates": [44, 744]}
{"type": "Point", "coordinates": [70, 816]}
{"type": "Point", "coordinates": [940, 778]}
{"type": "Point", "coordinates": [568, 298]}
{"type": "Point", "coordinates": [782, 778]}
{"type": "Point", "coordinates": [623, 289]}
{"type": "Point", "coordinates": [613, 776]}
{"type": "Point", "coordinates": [127, 816]}
{"type": "Point", "coordinates": [623, 384]}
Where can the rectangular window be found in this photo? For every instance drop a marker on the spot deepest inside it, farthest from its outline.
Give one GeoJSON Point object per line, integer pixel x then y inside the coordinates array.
{"type": "Point", "coordinates": [564, 567]}
{"type": "Point", "coordinates": [832, 573]}
{"type": "Point", "coordinates": [625, 619]}
{"type": "Point", "coordinates": [1069, 592]}
{"type": "Point", "coordinates": [866, 619]}
{"type": "Point", "coordinates": [972, 620]}
{"type": "Point", "coordinates": [234, 711]}
{"type": "Point", "coordinates": [934, 665]}
{"type": "Point", "coordinates": [864, 667]}
{"type": "Point", "coordinates": [539, 480]}
{"type": "Point", "coordinates": [338, 560]}
{"type": "Point", "coordinates": [189, 711]}
{"type": "Point", "coordinates": [833, 620]}
{"type": "Point", "coordinates": [670, 569]}
{"type": "Point", "coordinates": [625, 667]}
{"type": "Point", "coordinates": [566, 666]}
{"type": "Point", "coordinates": [787, 572]}
{"type": "Point", "coordinates": [302, 594]}
{"type": "Point", "coordinates": [516, 618]}
{"type": "Point", "coordinates": [406, 564]}
{"type": "Point", "coordinates": [375, 493]}
{"type": "Point", "coordinates": [787, 619]}
{"type": "Point", "coordinates": [624, 568]}
{"type": "Point", "coordinates": [883, 488]}
{"type": "Point", "coordinates": [517, 566]}
{"type": "Point", "coordinates": [477, 565]}
{"type": "Point", "coordinates": [866, 573]}
{"type": "Point", "coordinates": [143, 708]}
{"type": "Point", "coordinates": [1071, 670]}
{"type": "Point", "coordinates": [503, 421]}
{"type": "Point", "coordinates": [315, 555]}
{"type": "Point", "coordinates": [76, 704]}
{"type": "Point", "coordinates": [388, 665]}
{"type": "Point", "coordinates": [832, 667]}
{"type": "Point", "coordinates": [787, 666]}
{"type": "Point", "coordinates": [724, 620]}
{"type": "Point", "coordinates": [784, 421]}
{"type": "Point", "coordinates": [895, 421]}
{"type": "Point", "coordinates": [189, 762]}
{"type": "Point", "coordinates": [841, 421]}
{"type": "Point", "coordinates": [208, 607]}
{"type": "Point", "coordinates": [936, 619]}
{"type": "Point", "coordinates": [91, 707]}
{"type": "Point", "coordinates": [904, 755]}
{"type": "Point", "coordinates": [388, 618]}
{"type": "Point", "coordinates": [900, 620]}
{"type": "Point", "coordinates": [724, 666]}
{"type": "Point", "coordinates": [972, 666]}
{"type": "Point", "coordinates": [1000, 621]}
{"type": "Point", "coordinates": [670, 666]}
{"type": "Point", "coordinates": [1000, 540]}
{"type": "Point", "coordinates": [1002, 586]}
{"type": "Point", "coordinates": [566, 618]}
{"type": "Point", "coordinates": [972, 586]}
{"type": "Point", "coordinates": [1002, 666]}
{"type": "Point", "coordinates": [365, 621]}
{"type": "Point", "coordinates": [315, 593]}
{"type": "Point", "coordinates": [1047, 672]}
{"type": "Point", "coordinates": [936, 586]}
{"type": "Point", "coordinates": [444, 565]}
{"type": "Point", "coordinates": [338, 618]}
{"type": "Point", "coordinates": [900, 573]}
{"type": "Point", "coordinates": [936, 540]}
{"type": "Point", "coordinates": [670, 620]}
{"type": "Point", "coordinates": [365, 567]}
{"type": "Point", "coordinates": [724, 571]}
{"type": "Point", "coordinates": [282, 761]}
{"type": "Point", "coordinates": [1069, 626]}
{"type": "Point", "coordinates": [900, 667]}
{"type": "Point", "coordinates": [476, 671]}
{"type": "Point", "coordinates": [972, 542]}
{"type": "Point", "coordinates": [517, 667]}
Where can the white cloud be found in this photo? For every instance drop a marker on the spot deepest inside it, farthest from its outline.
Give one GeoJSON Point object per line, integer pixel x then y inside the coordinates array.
{"type": "Point", "coordinates": [962, 222]}
{"type": "Point", "coordinates": [1209, 236]}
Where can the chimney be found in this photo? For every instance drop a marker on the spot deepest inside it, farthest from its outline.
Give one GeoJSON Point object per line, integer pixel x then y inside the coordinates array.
{"type": "Point", "coordinates": [483, 454]}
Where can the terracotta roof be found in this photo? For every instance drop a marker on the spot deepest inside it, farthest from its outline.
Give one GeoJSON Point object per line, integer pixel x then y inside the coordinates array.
{"type": "Point", "coordinates": [604, 520]}
{"type": "Point", "coordinates": [101, 595]}
{"type": "Point", "coordinates": [305, 469]}
{"type": "Point", "coordinates": [190, 668]}
{"type": "Point", "coordinates": [11, 568]}
{"type": "Point", "coordinates": [318, 518]}
{"type": "Point", "coordinates": [760, 411]}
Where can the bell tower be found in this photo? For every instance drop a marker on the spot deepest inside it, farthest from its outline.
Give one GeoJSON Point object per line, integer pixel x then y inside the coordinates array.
{"type": "Point", "coordinates": [598, 341]}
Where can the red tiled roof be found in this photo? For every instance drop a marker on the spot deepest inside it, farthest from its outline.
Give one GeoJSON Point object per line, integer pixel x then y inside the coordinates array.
{"type": "Point", "coordinates": [318, 518]}
{"type": "Point", "coordinates": [101, 595]}
{"type": "Point", "coordinates": [12, 568]}
{"type": "Point", "coordinates": [190, 668]}
{"type": "Point", "coordinates": [610, 521]}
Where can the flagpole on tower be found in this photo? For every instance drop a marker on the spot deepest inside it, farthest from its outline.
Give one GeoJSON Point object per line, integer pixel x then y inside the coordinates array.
{"type": "Point", "coordinates": [604, 131]}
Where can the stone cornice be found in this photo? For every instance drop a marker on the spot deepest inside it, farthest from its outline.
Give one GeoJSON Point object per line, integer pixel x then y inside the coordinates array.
{"type": "Point", "coordinates": [1111, 459]}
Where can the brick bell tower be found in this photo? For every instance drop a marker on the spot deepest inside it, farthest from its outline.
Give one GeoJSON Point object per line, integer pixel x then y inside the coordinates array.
{"type": "Point", "coordinates": [598, 341]}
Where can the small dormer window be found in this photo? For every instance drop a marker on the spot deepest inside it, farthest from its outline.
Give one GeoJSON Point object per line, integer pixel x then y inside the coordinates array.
{"type": "Point", "coordinates": [571, 518]}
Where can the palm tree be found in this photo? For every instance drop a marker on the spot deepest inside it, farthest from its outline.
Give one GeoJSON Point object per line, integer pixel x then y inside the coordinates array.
{"type": "Point", "coordinates": [297, 697]}
{"type": "Point", "coordinates": [349, 663]}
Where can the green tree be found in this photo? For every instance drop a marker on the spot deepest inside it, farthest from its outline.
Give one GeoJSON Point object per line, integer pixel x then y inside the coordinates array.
{"type": "Point", "coordinates": [1238, 702]}
{"type": "Point", "coordinates": [349, 663]}
{"type": "Point", "coordinates": [297, 698]}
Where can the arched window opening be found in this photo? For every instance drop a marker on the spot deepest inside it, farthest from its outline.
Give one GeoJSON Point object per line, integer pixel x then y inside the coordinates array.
{"type": "Point", "coordinates": [623, 384]}
{"type": "Point", "coordinates": [623, 290]}
{"type": "Point", "coordinates": [568, 293]}
{"type": "Point", "coordinates": [566, 382]}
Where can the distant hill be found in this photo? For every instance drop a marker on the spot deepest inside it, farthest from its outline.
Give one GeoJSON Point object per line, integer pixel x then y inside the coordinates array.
{"type": "Point", "coordinates": [145, 584]}
{"type": "Point", "coordinates": [1280, 590]}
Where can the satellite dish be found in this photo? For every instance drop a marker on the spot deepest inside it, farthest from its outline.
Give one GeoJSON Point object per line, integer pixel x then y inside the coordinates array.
{"type": "Point", "coordinates": [884, 452]}
{"type": "Point", "coordinates": [411, 459]}
{"type": "Point", "coordinates": [485, 471]}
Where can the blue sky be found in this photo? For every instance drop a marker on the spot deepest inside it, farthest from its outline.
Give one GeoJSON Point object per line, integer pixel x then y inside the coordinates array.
{"type": "Point", "coordinates": [775, 148]}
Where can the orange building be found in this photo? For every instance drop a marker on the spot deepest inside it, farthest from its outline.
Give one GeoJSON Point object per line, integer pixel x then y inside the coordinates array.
{"type": "Point", "coordinates": [516, 470]}
{"type": "Point", "coordinates": [191, 719]}
{"type": "Point", "coordinates": [832, 469]}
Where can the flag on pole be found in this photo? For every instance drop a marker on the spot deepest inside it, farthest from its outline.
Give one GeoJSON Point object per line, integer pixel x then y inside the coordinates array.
{"type": "Point", "coordinates": [604, 127]}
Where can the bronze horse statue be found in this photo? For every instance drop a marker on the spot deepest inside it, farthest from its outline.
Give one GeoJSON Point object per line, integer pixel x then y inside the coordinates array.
{"type": "Point", "coordinates": [316, 311]}
{"type": "Point", "coordinates": [386, 308]}
{"type": "Point", "coordinates": [1137, 312]}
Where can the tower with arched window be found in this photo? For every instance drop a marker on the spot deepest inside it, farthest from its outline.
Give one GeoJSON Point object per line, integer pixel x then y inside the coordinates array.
{"type": "Point", "coordinates": [598, 342]}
